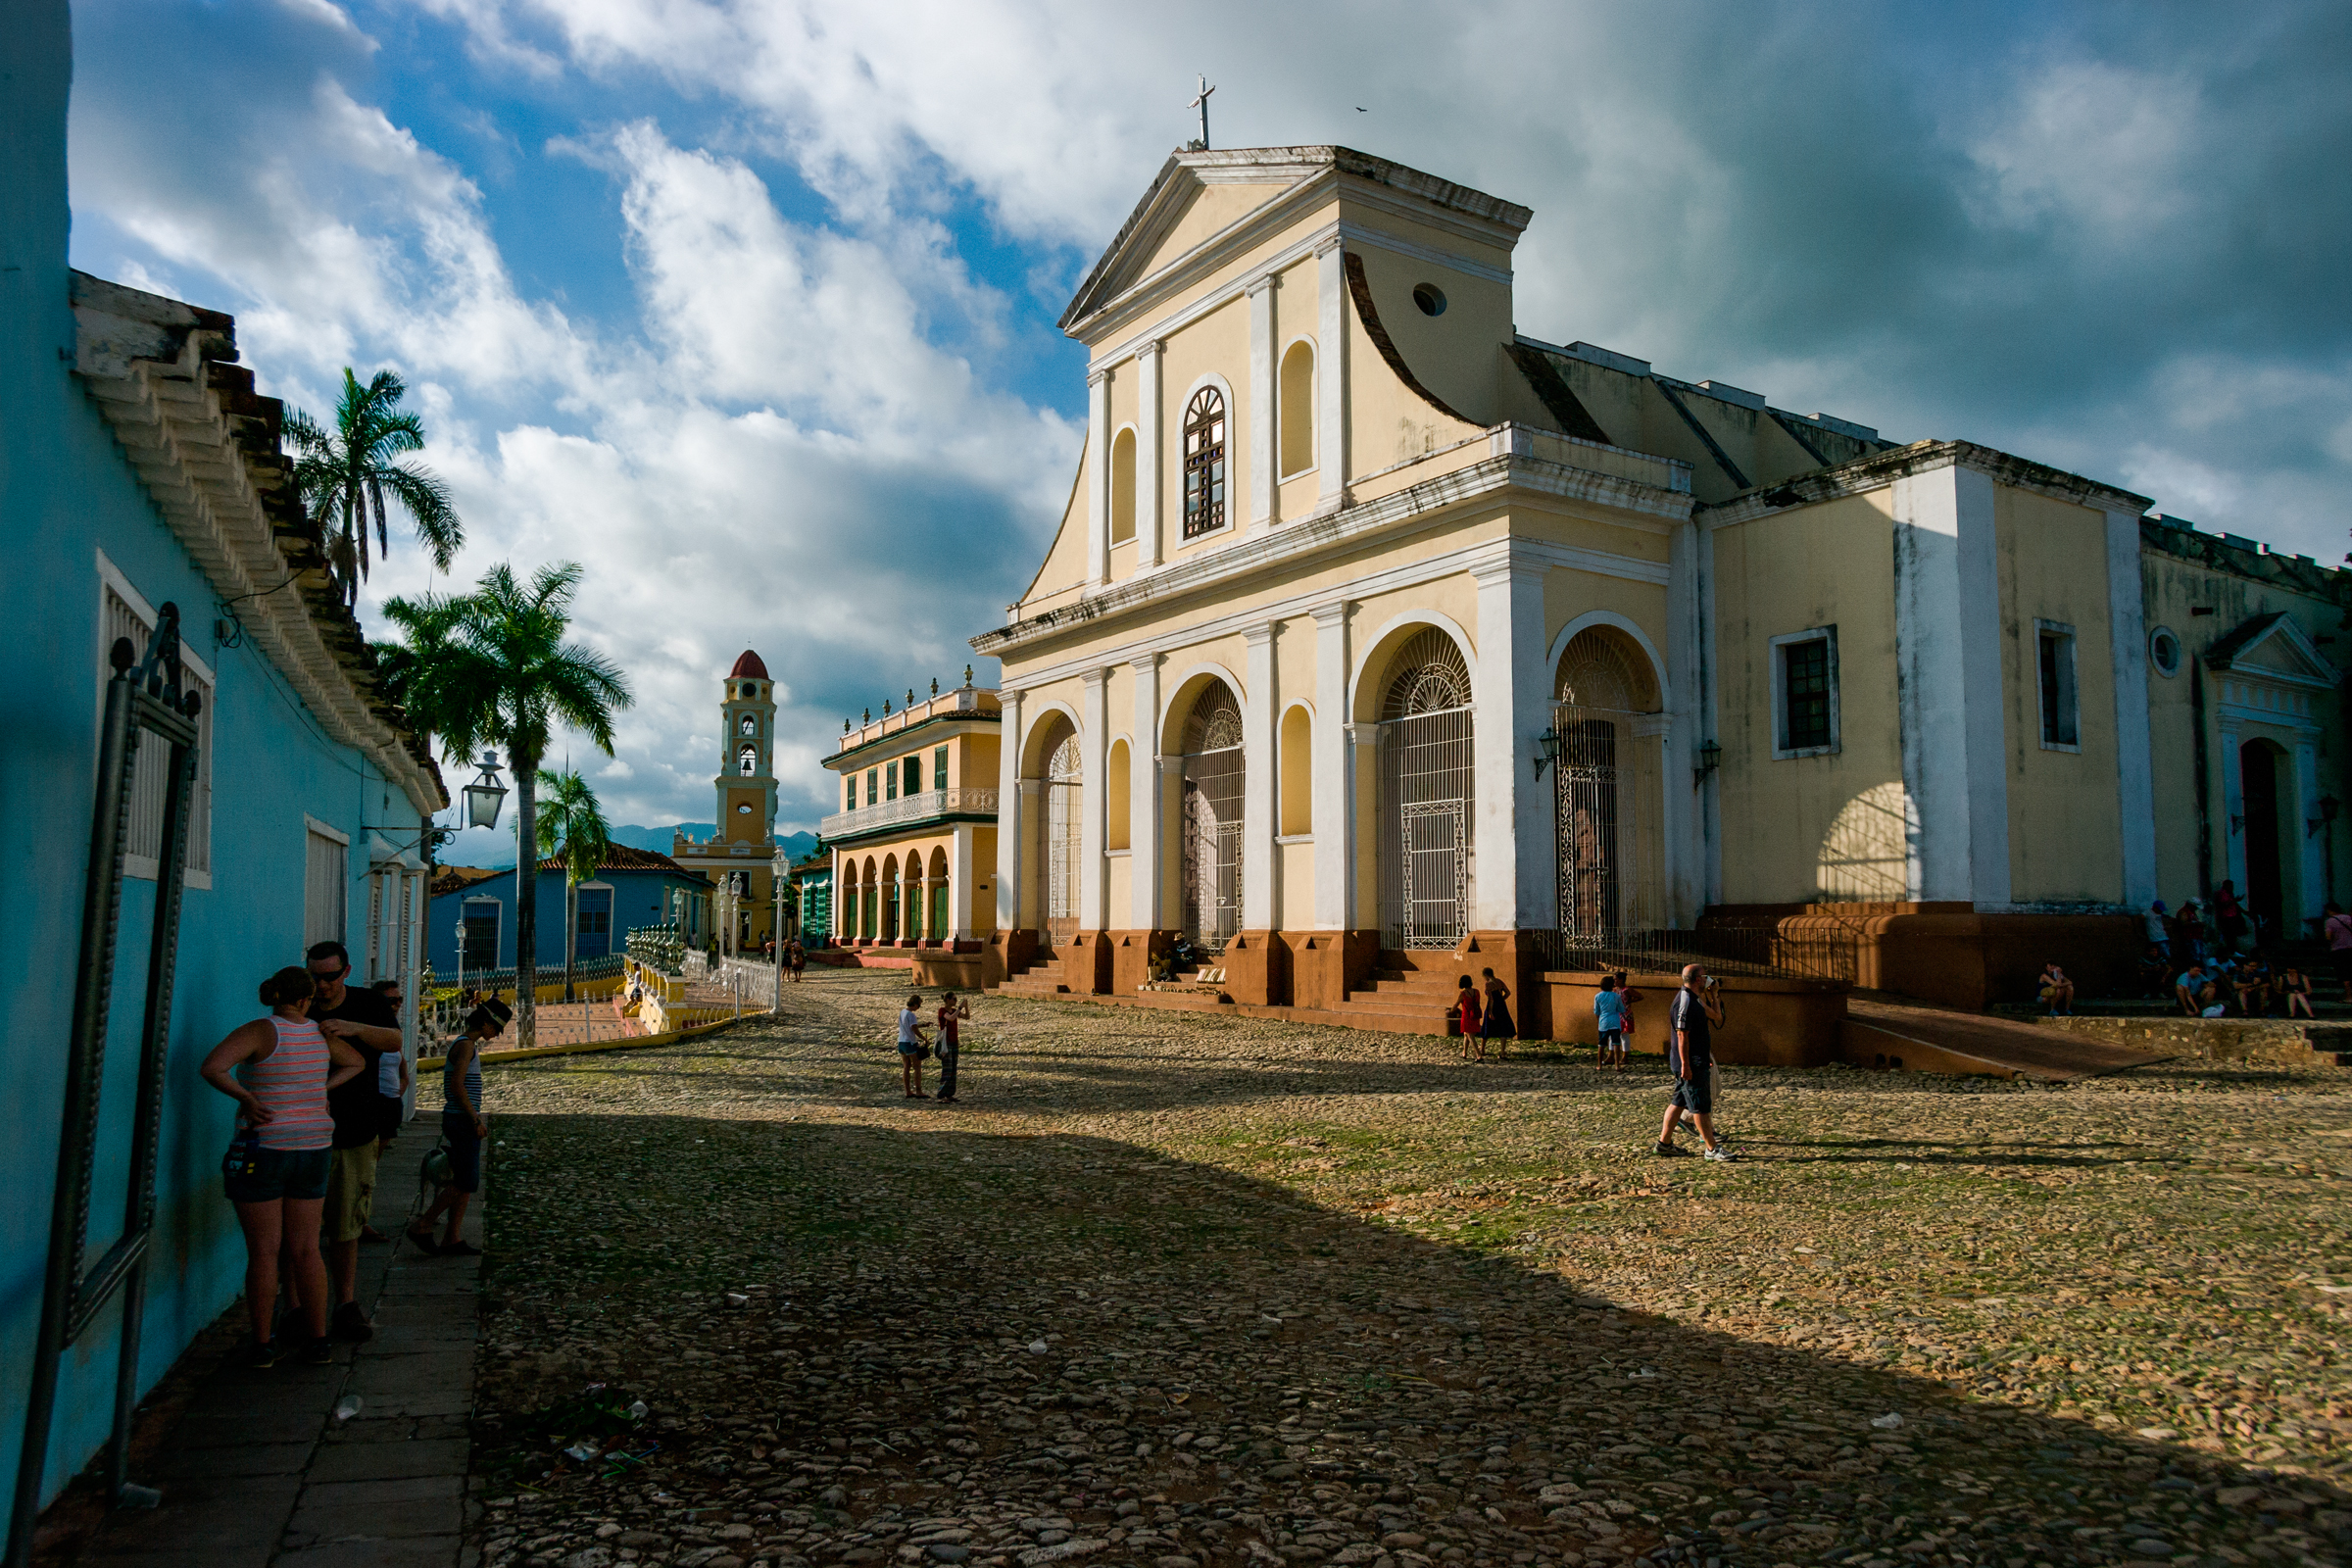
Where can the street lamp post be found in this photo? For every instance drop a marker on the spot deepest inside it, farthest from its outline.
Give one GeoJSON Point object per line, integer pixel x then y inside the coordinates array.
{"type": "Point", "coordinates": [777, 868]}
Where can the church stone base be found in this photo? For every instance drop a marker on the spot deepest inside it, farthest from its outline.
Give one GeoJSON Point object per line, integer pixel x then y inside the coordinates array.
{"type": "Point", "coordinates": [1325, 965]}
{"type": "Point", "coordinates": [1132, 955]}
{"type": "Point", "coordinates": [1008, 953]}
{"type": "Point", "coordinates": [1946, 954]}
{"type": "Point", "coordinates": [1257, 969]}
{"type": "Point", "coordinates": [1085, 963]}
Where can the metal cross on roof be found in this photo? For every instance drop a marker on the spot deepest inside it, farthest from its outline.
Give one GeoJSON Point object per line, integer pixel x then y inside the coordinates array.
{"type": "Point", "coordinates": [1201, 102]}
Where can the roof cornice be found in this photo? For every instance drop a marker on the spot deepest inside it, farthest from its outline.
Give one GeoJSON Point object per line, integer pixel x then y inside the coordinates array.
{"type": "Point", "coordinates": [1882, 469]}
{"type": "Point", "coordinates": [165, 377]}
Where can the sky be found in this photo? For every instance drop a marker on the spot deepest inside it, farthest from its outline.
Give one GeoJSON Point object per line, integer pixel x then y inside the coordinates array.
{"type": "Point", "coordinates": [749, 304]}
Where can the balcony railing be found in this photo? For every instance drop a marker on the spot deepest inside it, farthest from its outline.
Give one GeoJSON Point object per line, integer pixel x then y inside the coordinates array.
{"type": "Point", "coordinates": [908, 809]}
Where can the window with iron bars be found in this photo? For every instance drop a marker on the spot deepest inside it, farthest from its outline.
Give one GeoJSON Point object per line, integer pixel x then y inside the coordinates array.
{"type": "Point", "coordinates": [1205, 463]}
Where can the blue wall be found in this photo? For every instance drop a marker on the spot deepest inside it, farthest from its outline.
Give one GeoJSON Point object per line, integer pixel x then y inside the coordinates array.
{"type": "Point", "coordinates": [67, 493]}
{"type": "Point", "coordinates": [639, 898]}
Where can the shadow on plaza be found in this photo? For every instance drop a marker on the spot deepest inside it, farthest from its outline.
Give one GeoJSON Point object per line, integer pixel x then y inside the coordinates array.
{"type": "Point", "coordinates": [1430, 1353]}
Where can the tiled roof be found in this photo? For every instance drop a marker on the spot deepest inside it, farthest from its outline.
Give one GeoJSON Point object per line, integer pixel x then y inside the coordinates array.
{"type": "Point", "coordinates": [621, 858]}
{"type": "Point", "coordinates": [748, 668]}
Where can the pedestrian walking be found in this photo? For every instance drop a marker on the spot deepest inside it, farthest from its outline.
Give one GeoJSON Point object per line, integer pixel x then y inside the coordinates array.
{"type": "Point", "coordinates": [2339, 931]}
{"type": "Point", "coordinates": [1630, 994]}
{"type": "Point", "coordinates": [951, 1014]}
{"type": "Point", "coordinates": [279, 1069]}
{"type": "Point", "coordinates": [796, 959]}
{"type": "Point", "coordinates": [1691, 1052]}
{"type": "Point", "coordinates": [1466, 1019]}
{"type": "Point", "coordinates": [465, 1127]}
{"type": "Point", "coordinates": [1608, 1017]}
{"type": "Point", "coordinates": [913, 1046]}
{"type": "Point", "coordinates": [1495, 1021]}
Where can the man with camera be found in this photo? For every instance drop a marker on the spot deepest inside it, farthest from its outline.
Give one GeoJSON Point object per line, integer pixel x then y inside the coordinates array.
{"type": "Point", "coordinates": [1691, 1052]}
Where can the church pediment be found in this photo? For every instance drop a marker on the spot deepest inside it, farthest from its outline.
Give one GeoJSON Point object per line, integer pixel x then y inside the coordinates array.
{"type": "Point", "coordinates": [2275, 647]}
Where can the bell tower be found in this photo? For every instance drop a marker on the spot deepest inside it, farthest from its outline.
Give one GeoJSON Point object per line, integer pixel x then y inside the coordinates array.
{"type": "Point", "coordinates": [747, 775]}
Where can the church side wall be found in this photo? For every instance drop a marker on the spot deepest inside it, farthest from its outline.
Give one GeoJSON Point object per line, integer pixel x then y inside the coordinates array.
{"type": "Point", "coordinates": [1829, 826]}
{"type": "Point", "coordinates": [1452, 354]}
{"type": "Point", "coordinates": [2065, 825]}
{"type": "Point", "coordinates": [1388, 422]}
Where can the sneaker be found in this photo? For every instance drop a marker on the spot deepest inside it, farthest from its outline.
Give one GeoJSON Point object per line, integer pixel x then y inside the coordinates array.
{"type": "Point", "coordinates": [350, 1323]}
{"type": "Point", "coordinates": [1667, 1149]}
{"type": "Point", "coordinates": [259, 1357]}
{"type": "Point", "coordinates": [1721, 1155]}
{"type": "Point", "coordinates": [320, 1352]}
{"type": "Point", "coordinates": [460, 1250]}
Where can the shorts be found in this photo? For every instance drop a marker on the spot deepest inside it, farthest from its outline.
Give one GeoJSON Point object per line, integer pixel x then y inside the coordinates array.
{"type": "Point", "coordinates": [1696, 1095]}
{"type": "Point", "coordinates": [911, 1051]}
{"type": "Point", "coordinates": [350, 1190]}
{"type": "Point", "coordinates": [1612, 1040]}
{"type": "Point", "coordinates": [465, 1152]}
{"type": "Point", "coordinates": [267, 1175]}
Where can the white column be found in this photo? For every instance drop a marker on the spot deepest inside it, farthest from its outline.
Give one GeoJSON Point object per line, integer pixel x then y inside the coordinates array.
{"type": "Point", "coordinates": [2313, 851]}
{"type": "Point", "coordinates": [1143, 858]}
{"type": "Point", "coordinates": [1094, 758]}
{"type": "Point", "coordinates": [1684, 841]}
{"type": "Point", "coordinates": [1147, 455]}
{"type": "Point", "coordinates": [2233, 803]}
{"type": "Point", "coordinates": [1330, 373]}
{"type": "Point", "coordinates": [1261, 456]}
{"type": "Point", "coordinates": [1360, 757]}
{"type": "Point", "coordinates": [1507, 685]}
{"type": "Point", "coordinates": [2127, 655]}
{"type": "Point", "coordinates": [1947, 636]}
{"type": "Point", "coordinates": [1008, 814]}
{"type": "Point", "coordinates": [1097, 479]}
{"type": "Point", "coordinates": [1705, 696]}
{"type": "Point", "coordinates": [1335, 829]}
{"type": "Point", "coordinates": [1171, 881]}
{"type": "Point", "coordinates": [1260, 703]}
{"type": "Point", "coordinates": [960, 904]}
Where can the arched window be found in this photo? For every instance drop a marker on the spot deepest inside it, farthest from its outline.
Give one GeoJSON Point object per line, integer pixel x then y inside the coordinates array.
{"type": "Point", "coordinates": [1606, 775]}
{"type": "Point", "coordinates": [748, 726]}
{"type": "Point", "coordinates": [938, 895]}
{"type": "Point", "coordinates": [1297, 409]}
{"type": "Point", "coordinates": [1213, 775]}
{"type": "Point", "coordinates": [1298, 773]}
{"type": "Point", "coordinates": [747, 761]}
{"type": "Point", "coordinates": [1064, 782]}
{"type": "Point", "coordinates": [1123, 488]}
{"type": "Point", "coordinates": [1427, 776]}
{"type": "Point", "coordinates": [1205, 463]}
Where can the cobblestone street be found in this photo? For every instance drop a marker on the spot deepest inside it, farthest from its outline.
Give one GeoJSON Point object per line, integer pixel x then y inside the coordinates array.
{"type": "Point", "coordinates": [1175, 1290]}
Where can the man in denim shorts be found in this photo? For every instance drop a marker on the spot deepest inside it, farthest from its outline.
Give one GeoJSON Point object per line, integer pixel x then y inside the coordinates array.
{"type": "Point", "coordinates": [1691, 1051]}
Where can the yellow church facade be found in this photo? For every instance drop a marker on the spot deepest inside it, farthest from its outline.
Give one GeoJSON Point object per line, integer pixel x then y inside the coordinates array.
{"type": "Point", "coordinates": [1375, 628]}
{"type": "Point", "coordinates": [738, 859]}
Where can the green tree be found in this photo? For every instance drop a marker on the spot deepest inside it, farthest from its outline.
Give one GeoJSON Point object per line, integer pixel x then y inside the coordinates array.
{"type": "Point", "coordinates": [571, 824]}
{"type": "Point", "coordinates": [492, 668]}
{"type": "Point", "coordinates": [345, 476]}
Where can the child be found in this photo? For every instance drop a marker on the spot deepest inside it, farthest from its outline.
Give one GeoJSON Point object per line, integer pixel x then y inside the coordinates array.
{"type": "Point", "coordinates": [950, 1012]}
{"type": "Point", "coordinates": [2297, 986]}
{"type": "Point", "coordinates": [912, 1048]}
{"type": "Point", "coordinates": [1627, 993]}
{"type": "Point", "coordinates": [1497, 1024]}
{"type": "Point", "coordinates": [2057, 992]}
{"type": "Point", "coordinates": [1608, 1016]}
{"type": "Point", "coordinates": [1465, 1007]}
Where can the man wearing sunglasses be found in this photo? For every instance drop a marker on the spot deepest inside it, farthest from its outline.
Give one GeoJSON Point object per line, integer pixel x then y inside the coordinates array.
{"type": "Point", "coordinates": [367, 1022]}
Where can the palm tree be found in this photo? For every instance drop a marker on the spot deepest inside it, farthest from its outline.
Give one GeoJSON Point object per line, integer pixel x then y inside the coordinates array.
{"type": "Point", "coordinates": [492, 668]}
{"type": "Point", "coordinates": [344, 475]}
{"type": "Point", "coordinates": [573, 823]}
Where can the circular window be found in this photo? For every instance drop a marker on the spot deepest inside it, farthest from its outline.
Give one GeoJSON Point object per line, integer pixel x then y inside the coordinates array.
{"type": "Point", "coordinates": [2163, 651]}
{"type": "Point", "coordinates": [745, 810]}
{"type": "Point", "coordinates": [1431, 299]}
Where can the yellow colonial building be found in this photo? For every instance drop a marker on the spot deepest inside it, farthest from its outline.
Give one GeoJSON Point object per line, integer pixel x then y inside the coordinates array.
{"type": "Point", "coordinates": [1376, 627]}
{"type": "Point", "coordinates": [915, 844]}
{"type": "Point", "coordinates": [739, 858]}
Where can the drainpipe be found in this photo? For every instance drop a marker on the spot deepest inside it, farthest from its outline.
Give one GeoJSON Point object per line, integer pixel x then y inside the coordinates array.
{"type": "Point", "coordinates": [2196, 698]}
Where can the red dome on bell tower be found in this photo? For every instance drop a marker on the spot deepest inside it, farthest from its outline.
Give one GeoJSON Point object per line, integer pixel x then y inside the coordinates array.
{"type": "Point", "coordinates": [748, 668]}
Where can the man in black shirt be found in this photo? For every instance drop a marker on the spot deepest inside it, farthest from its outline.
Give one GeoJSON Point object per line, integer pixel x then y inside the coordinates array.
{"type": "Point", "coordinates": [366, 1022]}
{"type": "Point", "coordinates": [1691, 1052]}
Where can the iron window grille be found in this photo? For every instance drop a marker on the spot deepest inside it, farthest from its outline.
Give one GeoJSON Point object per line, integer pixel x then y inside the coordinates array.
{"type": "Point", "coordinates": [1805, 693]}
{"type": "Point", "coordinates": [1427, 786]}
{"type": "Point", "coordinates": [1205, 463]}
{"type": "Point", "coordinates": [1214, 771]}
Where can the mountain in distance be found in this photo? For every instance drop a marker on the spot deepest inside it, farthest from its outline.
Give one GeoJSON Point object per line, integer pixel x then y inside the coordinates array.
{"type": "Point", "coordinates": [659, 839]}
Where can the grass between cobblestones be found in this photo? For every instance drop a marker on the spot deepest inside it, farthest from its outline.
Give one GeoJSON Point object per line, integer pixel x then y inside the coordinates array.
{"type": "Point", "coordinates": [1178, 1289]}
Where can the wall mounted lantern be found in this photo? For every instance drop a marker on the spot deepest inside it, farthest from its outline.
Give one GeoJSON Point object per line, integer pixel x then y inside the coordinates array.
{"type": "Point", "coordinates": [1547, 750]}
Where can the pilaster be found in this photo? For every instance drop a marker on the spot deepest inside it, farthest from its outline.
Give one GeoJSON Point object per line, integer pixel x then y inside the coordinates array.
{"type": "Point", "coordinates": [1011, 806]}
{"type": "Point", "coordinates": [1148, 397]}
{"type": "Point", "coordinates": [1095, 760]}
{"type": "Point", "coordinates": [1144, 857]}
{"type": "Point", "coordinates": [961, 899]}
{"type": "Point", "coordinates": [1097, 479]}
{"type": "Point", "coordinates": [1513, 844]}
{"type": "Point", "coordinates": [1334, 827]}
{"type": "Point", "coordinates": [1259, 894]}
{"type": "Point", "coordinates": [2134, 764]}
{"type": "Point", "coordinates": [1684, 836]}
{"type": "Point", "coordinates": [1261, 456]}
{"type": "Point", "coordinates": [1331, 374]}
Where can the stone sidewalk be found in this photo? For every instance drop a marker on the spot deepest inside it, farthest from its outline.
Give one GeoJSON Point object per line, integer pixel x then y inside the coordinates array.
{"type": "Point", "coordinates": [259, 1472]}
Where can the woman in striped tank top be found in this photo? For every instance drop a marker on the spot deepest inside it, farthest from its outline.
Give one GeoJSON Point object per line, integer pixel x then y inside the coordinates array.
{"type": "Point", "coordinates": [278, 1071]}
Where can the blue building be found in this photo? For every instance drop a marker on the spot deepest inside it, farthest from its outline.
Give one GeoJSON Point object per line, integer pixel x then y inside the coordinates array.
{"type": "Point", "coordinates": [630, 888]}
{"type": "Point", "coordinates": [138, 469]}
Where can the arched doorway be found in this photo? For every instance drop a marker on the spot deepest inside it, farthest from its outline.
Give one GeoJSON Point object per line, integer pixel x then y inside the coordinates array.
{"type": "Point", "coordinates": [939, 931]}
{"type": "Point", "coordinates": [890, 898]}
{"type": "Point", "coordinates": [1064, 782]}
{"type": "Point", "coordinates": [1213, 769]}
{"type": "Point", "coordinates": [1605, 787]}
{"type": "Point", "coordinates": [1427, 778]}
{"type": "Point", "coordinates": [2259, 777]}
